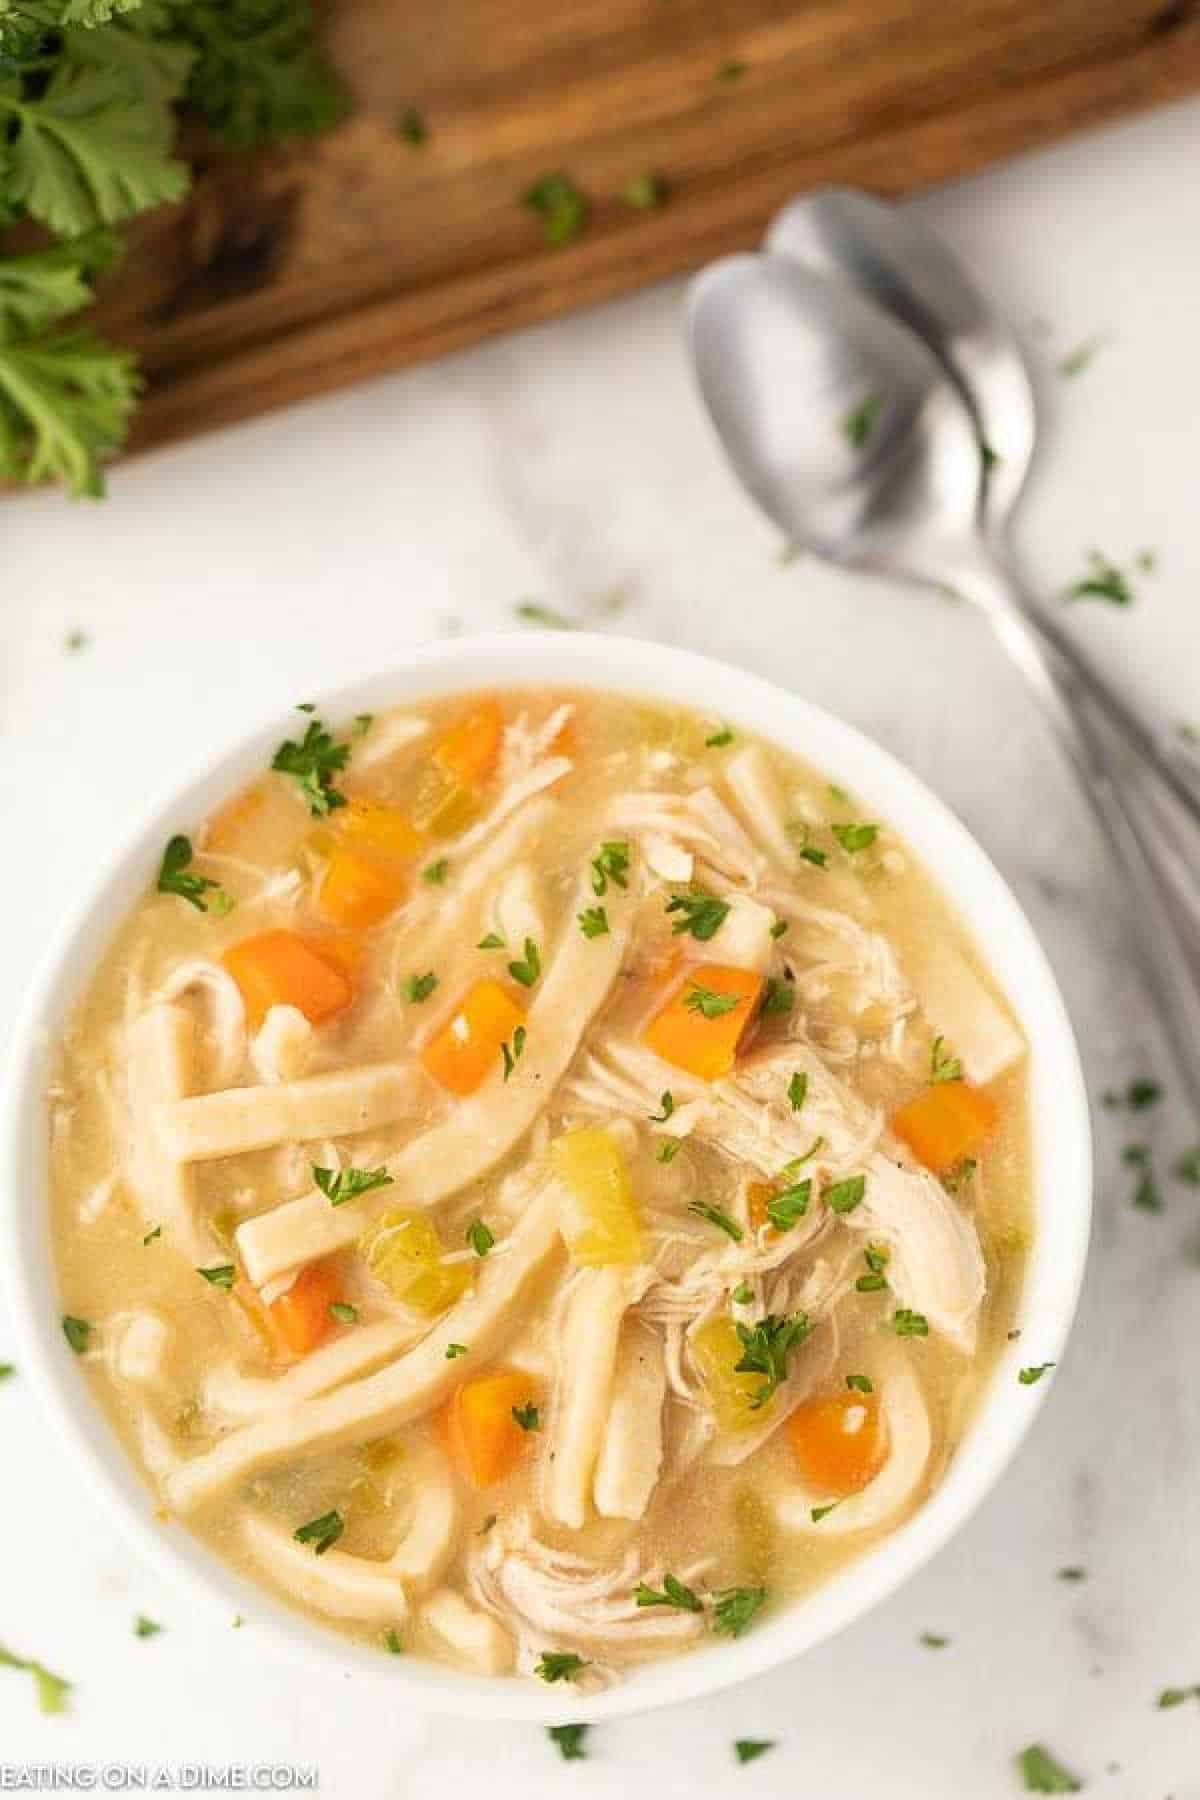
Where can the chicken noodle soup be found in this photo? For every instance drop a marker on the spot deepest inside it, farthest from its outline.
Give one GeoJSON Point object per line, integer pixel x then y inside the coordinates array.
{"type": "Point", "coordinates": [540, 1180]}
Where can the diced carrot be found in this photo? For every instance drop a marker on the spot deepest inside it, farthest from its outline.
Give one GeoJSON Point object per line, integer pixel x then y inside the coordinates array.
{"type": "Point", "coordinates": [300, 1318]}
{"type": "Point", "coordinates": [759, 1195]}
{"type": "Point", "coordinates": [480, 1429]}
{"type": "Point", "coordinates": [837, 1442]}
{"type": "Point", "coordinates": [358, 890]}
{"type": "Point", "coordinates": [224, 827]}
{"type": "Point", "coordinates": [705, 1043]}
{"type": "Point", "coordinates": [467, 1047]}
{"type": "Point", "coordinates": [945, 1123]}
{"type": "Point", "coordinates": [281, 968]}
{"type": "Point", "coordinates": [469, 750]}
{"type": "Point", "coordinates": [443, 806]}
{"type": "Point", "coordinates": [382, 829]}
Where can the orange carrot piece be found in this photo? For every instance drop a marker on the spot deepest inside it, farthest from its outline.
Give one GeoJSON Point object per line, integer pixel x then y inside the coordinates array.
{"type": "Point", "coordinates": [358, 890]}
{"type": "Point", "coordinates": [759, 1195]}
{"type": "Point", "coordinates": [225, 826]}
{"type": "Point", "coordinates": [945, 1123]}
{"type": "Point", "coordinates": [281, 968]}
{"type": "Point", "coordinates": [682, 1034]}
{"type": "Point", "coordinates": [480, 1429]}
{"type": "Point", "coordinates": [837, 1442]}
{"type": "Point", "coordinates": [383, 830]}
{"type": "Point", "coordinates": [467, 1047]}
{"type": "Point", "coordinates": [300, 1318]}
{"type": "Point", "coordinates": [469, 750]}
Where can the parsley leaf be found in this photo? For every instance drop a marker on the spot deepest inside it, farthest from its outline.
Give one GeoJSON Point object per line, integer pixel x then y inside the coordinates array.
{"type": "Point", "coordinates": [669, 1151]}
{"type": "Point", "coordinates": [560, 1665]}
{"type": "Point", "coordinates": [77, 1332]}
{"type": "Point", "coordinates": [419, 987]}
{"type": "Point", "coordinates": [7, 1371]}
{"type": "Point", "coordinates": [221, 1275]}
{"type": "Point", "coordinates": [854, 838]}
{"type": "Point", "coordinates": [39, 287]}
{"type": "Point", "coordinates": [1177, 1696]}
{"type": "Point", "coordinates": [65, 405]}
{"type": "Point", "coordinates": [343, 1312]}
{"type": "Point", "coordinates": [749, 1749]}
{"type": "Point", "coordinates": [535, 613]}
{"type": "Point", "coordinates": [1072, 1572]}
{"type": "Point", "coordinates": [411, 127]}
{"type": "Point", "coordinates": [1033, 1373]}
{"type": "Point", "coordinates": [435, 873]}
{"type": "Point", "coordinates": [562, 207]}
{"type": "Point", "coordinates": [861, 1384]}
{"type": "Point", "coordinates": [258, 74]}
{"type": "Point", "coordinates": [527, 972]}
{"type": "Point", "coordinates": [1146, 1195]}
{"type": "Point", "coordinates": [817, 1513]}
{"type": "Point", "coordinates": [941, 1066]}
{"type": "Point", "coordinates": [570, 1741]}
{"type": "Point", "coordinates": [645, 193]}
{"type": "Point", "coordinates": [611, 863]}
{"type": "Point", "coordinates": [708, 1002]}
{"type": "Point", "coordinates": [906, 1323]}
{"type": "Point", "coordinates": [1042, 1774]}
{"type": "Point", "coordinates": [933, 1640]}
{"type": "Point", "coordinates": [859, 424]}
{"type": "Point", "coordinates": [719, 739]}
{"type": "Point", "coordinates": [797, 1090]}
{"type": "Point", "coordinates": [480, 1237]}
{"type": "Point", "coordinates": [321, 1533]}
{"type": "Point", "coordinates": [667, 1101]}
{"type": "Point", "coordinates": [493, 941]}
{"type": "Point", "coordinates": [340, 1185]}
{"type": "Point", "coordinates": [735, 1609]}
{"type": "Point", "coordinates": [703, 1209]}
{"type": "Point", "coordinates": [512, 1056]}
{"type": "Point", "coordinates": [844, 1196]}
{"type": "Point", "coordinates": [144, 1627]}
{"type": "Point", "coordinates": [786, 1209]}
{"type": "Point", "coordinates": [312, 763]}
{"type": "Point", "coordinates": [778, 997]}
{"type": "Point", "coordinates": [1104, 580]}
{"type": "Point", "coordinates": [173, 876]}
{"type": "Point", "coordinates": [672, 1593]}
{"type": "Point", "coordinates": [527, 1416]}
{"type": "Point", "coordinates": [1187, 1167]}
{"type": "Point", "coordinates": [703, 914]}
{"type": "Point", "coordinates": [392, 1641]}
{"type": "Point", "coordinates": [52, 1690]}
{"type": "Point", "coordinates": [593, 922]}
{"type": "Point", "coordinates": [1081, 357]}
{"type": "Point", "coordinates": [766, 1347]}
{"type": "Point", "coordinates": [453, 1350]}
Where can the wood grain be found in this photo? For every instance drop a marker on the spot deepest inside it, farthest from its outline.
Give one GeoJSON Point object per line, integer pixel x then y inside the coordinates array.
{"type": "Point", "coordinates": [296, 271]}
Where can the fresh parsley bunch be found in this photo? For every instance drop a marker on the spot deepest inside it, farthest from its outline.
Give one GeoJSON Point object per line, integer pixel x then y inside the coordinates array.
{"type": "Point", "coordinates": [89, 91]}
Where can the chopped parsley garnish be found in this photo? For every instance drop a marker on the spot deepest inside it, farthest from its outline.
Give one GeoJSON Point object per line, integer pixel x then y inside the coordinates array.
{"type": "Point", "coordinates": [480, 1237]}
{"type": "Point", "coordinates": [453, 1350]}
{"type": "Point", "coordinates": [859, 424]}
{"type": "Point", "coordinates": [1042, 1774]}
{"type": "Point", "coordinates": [778, 997]}
{"type": "Point", "coordinates": [611, 863]}
{"type": "Point", "coordinates": [906, 1323]}
{"type": "Point", "coordinates": [76, 640]}
{"type": "Point", "coordinates": [719, 739]}
{"type": "Point", "coordinates": [933, 1640]}
{"type": "Point", "coordinates": [1176, 1696]}
{"type": "Point", "coordinates": [144, 1627]}
{"type": "Point", "coordinates": [943, 1067]}
{"type": "Point", "coordinates": [220, 1275]}
{"type": "Point", "coordinates": [1081, 357]}
{"type": "Point", "coordinates": [672, 1593]}
{"type": "Point", "coordinates": [704, 1209]}
{"type": "Point", "coordinates": [645, 193]}
{"type": "Point", "coordinates": [1187, 1167]}
{"type": "Point", "coordinates": [669, 1151]}
{"type": "Point", "coordinates": [363, 723]}
{"type": "Point", "coordinates": [560, 205]}
{"type": "Point", "coordinates": [526, 971]}
{"type": "Point", "coordinates": [1033, 1373]}
{"type": "Point", "coordinates": [570, 1741]}
{"type": "Point", "coordinates": [173, 876]}
{"type": "Point", "coordinates": [7, 1371]}
{"type": "Point", "coordinates": [735, 1609]}
{"type": "Point", "coordinates": [321, 1533]}
{"type": "Point", "coordinates": [312, 764]}
{"type": "Point", "coordinates": [817, 1513]}
{"type": "Point", "coordinates": [844, 1196]}
{"type": "Point", "coordinates": [779, 928]}
{"type": "Point", "coordinates": [743, 1294]}
{"type": "Point", "coordinates": [392, 1642]}
{"type": "Point", "coordinates": [798, 1162]}
{"type": "Point", "coordinates": [343, 1312]}
{"type": "Point", "coordinates": [419, 987]}
{"type": "Point", "coordinates": [340, 1185]}
{"type": "Point", "coordinates": [77, 1333]}
{"type": "Point", "coordinates": [593, 922]}
{"type": "Point", "coordinates": [52, 1690]}
{"type": "Point", "coordinates": [730, 71]}
{"type": "Point", "coordinates": [818, 858]}
{"type": "Point", "coordinates": [1072, 1572]}
{"type": "Point", "coordinates": [854, 838]}
{"type": "Point", "coordinates": [959, 1176]}
{"type": "Point", "coordinates": [667, 1101]}
{"type": "Point", "coordinates": [766, 1347]}
{"type": "Point", "coordinates": [860, 1384]}
{"type": "Point", "coordinates": [749, 1749]}
{"type": "Point", "coordinates": [708, 1002]}
{"type": "Point", "coordinates": [1104, 581]}
{"type": "Point", "coordinates": [876, 1257]}
{"type": "Point", "coordinates": [786, 1209]}
{"type": "Point", "coordinates": [511, 1055]}
{"type": "Point", "coordinates": [527, 1416]}
{"type": "Point", "coordinates": [1142, 1093]}
{"type": "Point", "coordinates": [435, 873]}
{"type": "Point", "coordinates": [702, 914]}
{"type": "Point", "coordinates": [535, 613]}
{"type": "Point", "coordinates": [797, 1091]}
{"type": "Point", "coordinates": [412, 128]}
{"type": "Point", "coordinates": [155, 1231]}
{"type": "Point", "coordinates": [493, 941]}
{"type": "Point", "coordinates": [1146, 1196]}
{"type": "Point", "coordinates": [560, 1665]}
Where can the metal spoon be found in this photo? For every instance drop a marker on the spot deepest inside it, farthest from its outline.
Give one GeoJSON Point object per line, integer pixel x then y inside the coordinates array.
{"type": "Point", "coordinates": [853, 439]}
{"type": "Point", "coordinates": [890, 257]}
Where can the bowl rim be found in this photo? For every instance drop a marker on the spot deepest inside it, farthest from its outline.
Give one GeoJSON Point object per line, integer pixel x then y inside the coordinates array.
{"type": "Point", "coordinates": [1060, 1123]}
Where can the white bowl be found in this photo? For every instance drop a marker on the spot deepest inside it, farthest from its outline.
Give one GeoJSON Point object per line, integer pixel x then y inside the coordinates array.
{"type": "Point", "coordinates": [1062, 1162]}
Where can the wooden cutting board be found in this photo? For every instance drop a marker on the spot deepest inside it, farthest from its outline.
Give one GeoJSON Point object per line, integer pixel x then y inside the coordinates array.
{"type": "Point", "coordinates": [296, 271]}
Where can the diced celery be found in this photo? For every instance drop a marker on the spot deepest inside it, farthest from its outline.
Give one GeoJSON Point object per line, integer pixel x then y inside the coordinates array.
{"type": "Point", "coordinates": [404, 1251]}
{"type": "Point", "coordinates": [716, 1349]}
{"type": "Point", "coordinates": [600, 1222]}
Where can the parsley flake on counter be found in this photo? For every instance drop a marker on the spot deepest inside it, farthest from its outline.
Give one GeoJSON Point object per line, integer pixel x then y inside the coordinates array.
{"type": "Point", "coordinates": [1043, 1774]}
{"type": "Point", "coordinates": [561, 206]}
{"type": "Point", "coordinates": [533, 612]}
{"type": "Point", "coordinates": [480, 1237]}
{"type": "Point", "coordinates": [145, 1628]}
{"type": "Point", "coordinates": [750, 1749]}
{"type": "Point", "coordinates": [858, 426]}
{"type": "Point", "coordinates": [766, 1347]}
{"type": "Point", "coordinates": [412, 128]}
{"type": "Point", "coordinates": [713, 1215]}
{"type": "Point", "coordinates": [435, 873]}
{"type": "Point", "coordinates": [611, 863]}
{"type": "Point", "coordinates": [1033, 1373]}
{"type": "Point", "coordinates": [570, 1741]}
{"type": "Point", "coordinates": [1072, 1572]}
{"type": "Point", "coordinates": [1187, 1167]}
{"type": "Point", "coordinates": [1104, 580]}
{"type": "Point", "coordinates": [528, 1416]}
{"type": "Point", "coordinates": [735, 1610]}
{"type": "Point", "coordinates": [561, 1665]}
{"type": "Point", "coordinates": [220, 1275]}
{"type": "Point", "coordinates": [702, 914]}
{"type": "Point", "coordinates": [672, 1593]}
{"type": "Point", "coordinates": [174, 877]}
{"type": "Point", "coordinates": [511, 1054]}
{"type": "Point", "coordinates": [1177, 1696]}
{"type": "Point", "coordinates": [708, 1002]}
{"type": "Point", "coordinates": [340, 1185]}
{"type": "Point", "coordinates": [933, 1640]}
{"type": "Point", "coordinates": [943, 1067]}
{"type": "Point", "coordinates": [526, 971]}
{"type": "Point", "coordinates": [343, 1312]}
{"type": "Point", "coordinates": [75, 641]}
{"type": "Point", "coordinates": [419, 987]}
{"type": "Point", "coordinates": [645, 193]}
{"type": "Point", "coordinates": [593, 922]}
{"type": "Point", "coordinates": [52, 1690]}
{"type": "Point", "coordinates": [854, 838]}
{"type": "Point", "coordinates": [312, 764]}
{"type": "Point", "coordinates": [730, 71]}
{"type": "Point", "coordinates": [1082, 356]}
{"type": "Point", "coordinates": [321, 1533]}
{"type": "Point", "coordinates": [797, 1089]}
{"type": "Point", "coordinates": [77, 1333]}
{"type": "Point", "coordinates": [1146, 1196]}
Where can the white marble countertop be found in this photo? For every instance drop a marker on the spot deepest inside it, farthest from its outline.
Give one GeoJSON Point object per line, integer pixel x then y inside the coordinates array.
{"type": "Point", "coordinates": [570, 464]}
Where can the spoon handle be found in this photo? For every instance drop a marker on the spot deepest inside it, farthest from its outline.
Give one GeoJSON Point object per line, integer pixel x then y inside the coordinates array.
{"type": "Point", "coordinates": [1144, 804]}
